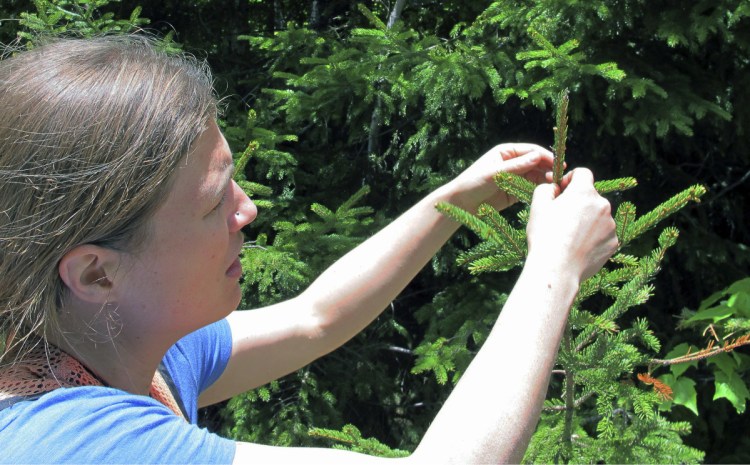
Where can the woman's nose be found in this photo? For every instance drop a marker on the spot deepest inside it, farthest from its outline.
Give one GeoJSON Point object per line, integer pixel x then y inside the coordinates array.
{"type": "Point", "coordinates": [245, 210]}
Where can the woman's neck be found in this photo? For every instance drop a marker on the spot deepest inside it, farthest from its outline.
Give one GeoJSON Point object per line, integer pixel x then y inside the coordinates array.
{"type": "Point", "coordinates": [122, 356]}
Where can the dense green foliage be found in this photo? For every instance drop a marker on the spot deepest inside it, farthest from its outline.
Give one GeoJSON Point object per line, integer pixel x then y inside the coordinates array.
{"type": "Point", "coordinates": [335, 109]}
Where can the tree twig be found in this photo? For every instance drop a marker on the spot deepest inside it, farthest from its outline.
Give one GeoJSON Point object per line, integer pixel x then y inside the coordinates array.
{"type": "Point", "coordinates": [709, 351]}
{"type": "Point", "coordinates": [577, 403]}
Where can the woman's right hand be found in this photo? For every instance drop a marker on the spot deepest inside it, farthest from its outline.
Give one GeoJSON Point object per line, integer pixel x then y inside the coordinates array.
{"type": "Point", "coordinates": [572, 231]}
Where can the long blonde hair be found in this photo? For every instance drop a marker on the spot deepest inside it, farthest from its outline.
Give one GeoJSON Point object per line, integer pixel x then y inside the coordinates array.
{"type": "Point", "coordinates": [91, 131]}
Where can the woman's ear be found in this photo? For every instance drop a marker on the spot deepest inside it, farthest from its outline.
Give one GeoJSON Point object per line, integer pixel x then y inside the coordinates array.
{"type": "Point", "coordinates": [88, 271]}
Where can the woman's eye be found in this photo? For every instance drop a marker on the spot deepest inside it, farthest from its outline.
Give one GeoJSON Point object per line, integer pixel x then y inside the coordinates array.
{"type": "Point", "coordinates": [221, 202]}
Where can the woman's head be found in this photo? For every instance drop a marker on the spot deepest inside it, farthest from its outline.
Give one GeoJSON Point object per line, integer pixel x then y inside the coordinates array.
{"type": "Point", "coordinates": [91, 132]}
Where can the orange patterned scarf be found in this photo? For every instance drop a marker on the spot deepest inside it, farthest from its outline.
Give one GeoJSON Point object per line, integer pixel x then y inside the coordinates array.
{"type": "Point", "coordinates": [44, 370]}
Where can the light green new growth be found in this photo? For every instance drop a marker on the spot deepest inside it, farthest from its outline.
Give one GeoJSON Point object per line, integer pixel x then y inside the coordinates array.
{"type": "Point", "coordinates": [615, 185]}
{"type": "Point", "coordinates": [561, 136]}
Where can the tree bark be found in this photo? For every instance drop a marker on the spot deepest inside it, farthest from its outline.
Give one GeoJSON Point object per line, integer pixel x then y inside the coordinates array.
{"type": "Point", "coordinates": [278, 15]}
{"type": "Point", "coordinates": [373, 142]}
{"type": "Point", "coordinates": [395, 13]}
{"type": "Point", "coordinates": [315, 20]}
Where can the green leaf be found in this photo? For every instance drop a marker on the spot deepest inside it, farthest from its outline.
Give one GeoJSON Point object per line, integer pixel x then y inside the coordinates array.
{"type": "Point", "coordinates": [712, 299]}
{"type": "Point", "coordinates": [742, 285]}
{"type": "Point", "coordinates": [683, 392]}
{"type": "Point", "coordinates": [740, 304]}
{"type": "Point", "coordinates": [680, 368]}
{"type": "Point", "coordinates": [714, 314]}
{"type": "Point", "coordinates": [725, 363]}
{"type": "Point", "coordinates": [732, 388]}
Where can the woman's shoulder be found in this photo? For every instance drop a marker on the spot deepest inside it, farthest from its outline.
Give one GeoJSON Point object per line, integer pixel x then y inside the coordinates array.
{"type": "Point", "coordinates": [77, 401]}
{"type": "Point", "coordinates": [94, 424]}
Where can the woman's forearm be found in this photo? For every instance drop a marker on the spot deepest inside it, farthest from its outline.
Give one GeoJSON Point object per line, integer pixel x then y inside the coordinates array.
{"type": "Point", "coordinates": [492, 412]}
{"type": "Point", "coordinates": [360, 285]}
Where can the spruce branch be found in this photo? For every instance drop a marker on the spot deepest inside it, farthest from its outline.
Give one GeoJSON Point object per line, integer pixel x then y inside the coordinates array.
{"type": "Point", "coordinates": [660, 388]}
{"type": "Point", "coordinates": [615, 185]}
{"type": "Point", "coordinates": [569, 395]}
{"type": "Point", "coordinates": [561, 136]}
{"type": "Point", "coordinates": [514, 237]}
{"type": "Point", "coordinates": [624, 219]}
{"type": "Point", "coordinates": [241, 163]}
{"type": "Point", "coordinates": [485, 257]}
{"type": "Point", "coordinates": [576, 403]}
{"type": "Point", "coordinates": [596, 350]}
{"type": "Point", "coordinates": [472, 222]}
{"type": "Point", "coordinates": [481, 250]}
{"type": "Point", "coordinates": [351, 439]}
{"type": "Point", "coordinates": [515, 185]}
{"type": "Point", "coordinates": [672, 205]}
{"type": "Point", "coordinates": [373, 145]}
{"type": "Point", "coordinates": [499, 262]}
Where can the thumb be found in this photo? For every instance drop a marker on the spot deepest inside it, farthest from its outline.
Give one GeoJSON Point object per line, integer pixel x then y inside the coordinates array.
{"type": "Point", "coordinates": [541, 202]}
{"type": "Point", "coordinates": [544, 194]}
{"type": "Point", "coordinates": [580, 179]}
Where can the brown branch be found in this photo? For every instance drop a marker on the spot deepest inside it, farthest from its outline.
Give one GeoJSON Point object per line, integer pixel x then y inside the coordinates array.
{"type": "Point", "coordinates": [577, 403]}
{"type": "Point", "coordinates": [709, 351]}
{"type": "Point", "coordinates": [569, 393]}
{"type": "Point", "coordinates": [589, 339]}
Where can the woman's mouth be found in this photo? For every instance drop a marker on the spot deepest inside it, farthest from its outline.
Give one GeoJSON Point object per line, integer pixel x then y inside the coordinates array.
{"type": "Point", "coordinates": [235, 269]}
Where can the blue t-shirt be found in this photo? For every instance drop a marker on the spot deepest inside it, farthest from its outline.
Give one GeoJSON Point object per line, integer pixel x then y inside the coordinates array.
{"type": "Point", "coordinates": [105, 425]}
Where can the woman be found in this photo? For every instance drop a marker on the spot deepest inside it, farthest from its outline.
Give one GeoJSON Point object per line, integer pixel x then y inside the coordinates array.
{"type": "Point", "coordinates": [120, 228]}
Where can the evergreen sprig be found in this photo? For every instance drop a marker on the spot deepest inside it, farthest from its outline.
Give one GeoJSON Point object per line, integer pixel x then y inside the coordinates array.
{"type": "Point", "coordinates": [79, 17]}
{"type": "Point", "coordinates": [615, 185]}
{"type": "Point", "coordinates": [516, 186]}
{"type": "Point", "coordinates": [350, 438]}
{"type": "Point", "coordinates": [667, 208]}
{"type": "Point", "coordinates": [561, 136]}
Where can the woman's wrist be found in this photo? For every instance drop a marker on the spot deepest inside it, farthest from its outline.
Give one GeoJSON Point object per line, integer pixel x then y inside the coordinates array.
{"type": "Point", "coordinates": [456, 192]}
{"type": "Point", "coordinates": [550, 266]}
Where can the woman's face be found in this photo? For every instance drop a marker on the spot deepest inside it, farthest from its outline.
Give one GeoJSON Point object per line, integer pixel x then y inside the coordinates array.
{"type": "Point", "coordinates": [187, 273]}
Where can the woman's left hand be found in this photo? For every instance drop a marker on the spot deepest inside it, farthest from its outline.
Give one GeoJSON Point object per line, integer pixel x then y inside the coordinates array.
{"type": "Point", "coordinates": [476, 184]}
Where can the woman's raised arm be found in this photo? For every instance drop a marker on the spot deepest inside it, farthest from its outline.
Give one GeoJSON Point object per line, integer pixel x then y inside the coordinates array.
{"type": "Point", "coordinates": [273, 341]}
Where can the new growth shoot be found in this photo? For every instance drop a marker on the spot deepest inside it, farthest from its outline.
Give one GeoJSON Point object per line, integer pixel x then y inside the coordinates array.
{"type": "Point", "coordinates": [561, 134]}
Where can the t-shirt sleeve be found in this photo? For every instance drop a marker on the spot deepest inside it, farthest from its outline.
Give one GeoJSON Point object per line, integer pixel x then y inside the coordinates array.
{"type": "Point", "coordinates": [102, 425]}
{"type": "Point", "coordinates": [197, 360]}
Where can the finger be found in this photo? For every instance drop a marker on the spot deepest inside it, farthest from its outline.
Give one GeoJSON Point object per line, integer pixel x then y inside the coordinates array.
{"type": "Point", "coordinates": [519, 149]}
{"type": "Point", "coordinates": [580, 178]}
{"type": "Point", "coordinates": [566, 180]}
{"type": "Point", "coordinates": [528, 162]}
